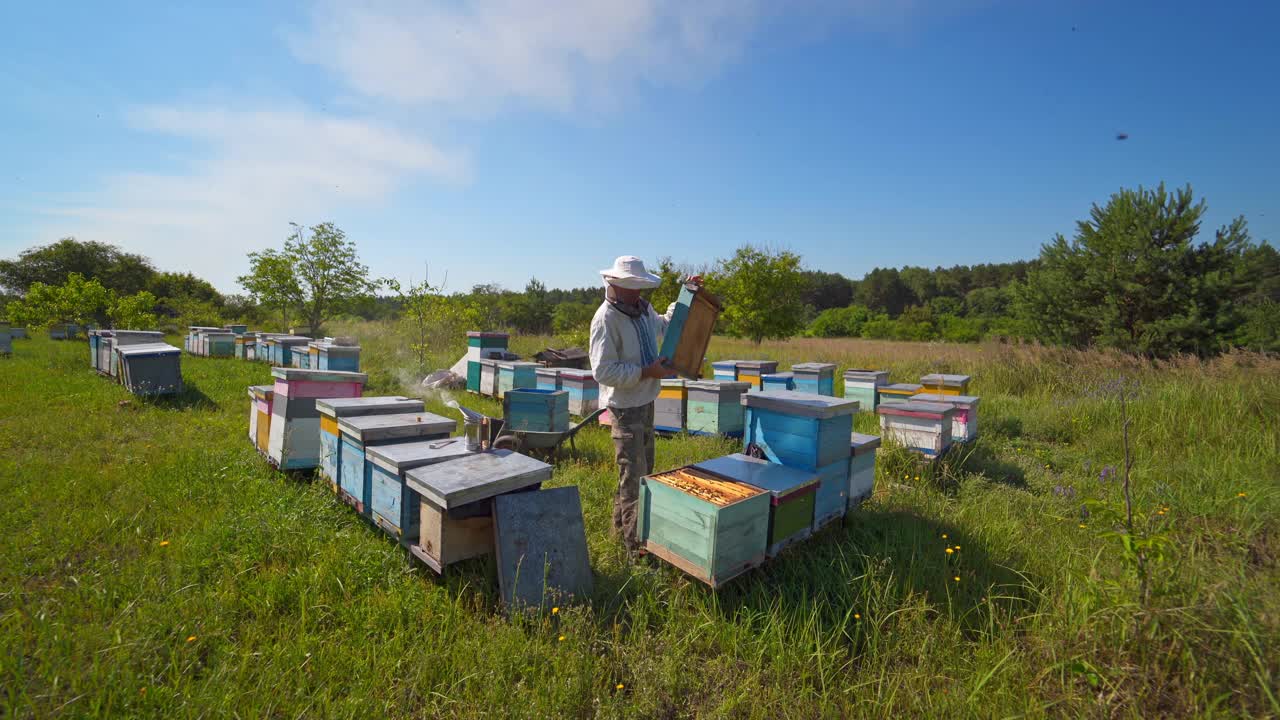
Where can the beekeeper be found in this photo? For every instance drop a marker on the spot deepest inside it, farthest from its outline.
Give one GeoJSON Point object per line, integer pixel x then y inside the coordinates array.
{"type": "Point", "coordinates": [625, 334]}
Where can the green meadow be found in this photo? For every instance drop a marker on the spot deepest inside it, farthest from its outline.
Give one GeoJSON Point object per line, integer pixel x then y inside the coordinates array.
{"type": "Point", "coordinates": [153, 565]}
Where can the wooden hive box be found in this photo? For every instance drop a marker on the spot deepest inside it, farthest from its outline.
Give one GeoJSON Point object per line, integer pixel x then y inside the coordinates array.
{"type": "Point", "coordinates": [282, 349]}
{"type": "Point", "coordinates": [300, 357]}
{"type": "Point", "coordinates": [862, 467]}
{"type": "Point", "coordinates": [19, 333]}
{"type": "Point", "coordinates": [109, 355]}
{"type": "Point", "coordinates": [534, 410]}
{"type": "Point", "coordinates": [714, 407]}
{"type": "Point", "coordinates": [236, 329]}
{"type": "Point", "coordinates": [548, 378]}
{"type": "Point", "coordinates": [455, 502]}
{"type": "Point", "coordinates": [397, 508]}
{"type": "Point", "coordinates": [355, 475]}
{"type": "Point", "coordinates": [670, 408]}
{"type": "Point", "coordinates": [294, 441]}
{"type": "Point", "coordinates": [340, 357]}
{"type": "Point", "coordinates": [151, 369]}
{"type": "Point", "coordinates": [920, 426]}
{"type": "Point", "coordinates": [806, 432]}
{"type": "Point", "coordinates": [945, 384]}
{"type": "Point", "coordinates": [253, 391]}
{"type": "Point", "coordinates": [332, 410]}
{"type": "Point", "coordinates": [244, 342]}
{"type": "Point", "coordinates": [778, 381]}
{"type": "Point", "coordinates": [815, 378]}
{"type": "Point", "coordinates": [725, 370]}
{"type": "Point", "coordinates": [584, 391]}
{"type": "Point", "coordinates": [709, 526]}
{"type": "Point", "coordinates": [752, 371]}
{"type": "Point", "coordinates": [684, 344]}
{"type": "Point", "coordinates": [57, 332]}
{"type": "Point", "coordinates": [489, 378]}
{"type": "Point", "coordinates": [263, 397]}
{"type": "Point", "coordinates": [6, 339]}
{"type": "Point", "coordinates": [482, 346]}
{"type": "Point", "coordinates": [964, 425]}
{"type": "Point", "coordinates": [792, 494]}
{"type": "Point", "coordinates": [516, 375]}
{"type": "Point", "coordinates": [896, 393]}
{"type": "Point", "coordinates": [864, 386]}
{"type": "Point", "coordinates": [220, 344]}
{"type": "Point", "coordinates": [95, 345]}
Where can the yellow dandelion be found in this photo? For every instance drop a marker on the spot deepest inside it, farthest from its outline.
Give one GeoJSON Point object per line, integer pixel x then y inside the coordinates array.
{"type": "Point", "coordinates": [949, 551]}
{"type": "Point", "coordinates": [561, 638]}
{"type": "Point", "coordinates": [164, 543]}
{"type": "Point", "coordinates": [957, 578]}
{"type": "Point", "coordinates": [856, 616]}
{"type": "Point", "coordinates": [957, 547]}
{"type": "Point", "coordinates": [555, 610]}
{"type": "Point", "coordinates": [944, 536]}
{"type": "Point", "coordinates": [1161, 512]}
{"type": "Point", "coordinates": [619, 686]}
{"type": "Point", "coordinates": [191, 638]}
{"type": "Point", "coordinates": [1082, 526]}
{"type": "Point", "coordinates": [917, 477]}
{"type": "Point", "coordinates": [1240, 494]}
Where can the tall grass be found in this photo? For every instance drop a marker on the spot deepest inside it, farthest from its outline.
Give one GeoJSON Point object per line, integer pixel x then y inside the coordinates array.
{"type": "Point", "coordinates": [153, 565]}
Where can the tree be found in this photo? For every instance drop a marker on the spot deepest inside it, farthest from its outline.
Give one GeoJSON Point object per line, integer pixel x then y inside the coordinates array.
{"type": "Point", "coordinates": [669, 290]}
{"type": "Point", "coordinates": [273, 283]}
{"type": "Point", "coordinates": [882, 289]}
{"type": "Point", "coordinates": [571, 317]}
{"type": "Point", "coordinates": [53, 265]}
{"type": "Point", "coordinates": [839, 322]}
{"type": "Point", "coordinates": [762, 294]}
{"type": "Point", "coordinates": [77, 300]}
{"type": "Point", "coordinates": [1133, 278]}
{"type": "Point", "coordinates": [167, 285]}
{"type": "Point", "coordinates": [328, 271]}
{"type": "Point", "coordinates": [529, 312]}
{"type": "Point", "coordinates": [826, 290]}
{"type": "Point", "coordinates": [135, 312]}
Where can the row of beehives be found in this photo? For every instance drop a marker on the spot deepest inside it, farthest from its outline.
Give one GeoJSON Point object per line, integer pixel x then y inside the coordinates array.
{"type": "Point", "coordinates": [493, 371]}
{"type": "Point", "coordinates": [7, 336]}
{"type": "Point", "coordinates": [802, 468]}
{"type": "Point", "coordinates": [401, 469]}
{"type": "Point", "coordinates": [279, 349]}
{"type": "Point", "coordinates": [138, 359]}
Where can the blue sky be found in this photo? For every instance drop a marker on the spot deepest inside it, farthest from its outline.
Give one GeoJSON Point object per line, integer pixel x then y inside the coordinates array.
{"type": "Point", "coordinates": [503, 139]}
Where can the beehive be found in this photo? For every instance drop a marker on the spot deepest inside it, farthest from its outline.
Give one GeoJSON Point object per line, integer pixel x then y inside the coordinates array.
{"type": "Point", "coordinates": [245, 345]}
{"type": "Point", "coordinates": [862, 467]}
{"type": "Point", "coordinates": [18, 333]}
{"type": "Point", "coordinates": [714, 408]}
{"type": "Point", "coordinates": [964, 425]}
{"type": "Point", "coordinates": [864, 386]}
{"type": "Point", "coordinates": [95, 344]}
{"type": "Point", "coordinates": [295, 422]}
{"type": "Point", "coordinates": [455, 519]}
{"type": "Point", "coordinates": [751, 371]}
{"type": "Point", "coordinates": [684, 344]}
{"type": "Point", "coordinates": [534, 410]}
{"type": "Point", "coordinates": [725, 370]}
{"type": "Point", "coordinates": [333, 410]}
{"type": "Point", "coordinates": [300, 357]}
{"type": "Point", "coordinates": [896, 393]}
{"type": "Point", "coordinates": [482, 346]}
{"type": "Point", "coordinates": [584, 391]}
{"type": "Point", "coordinates": [109, 353]}
{"type": "Point", "coordinates": [151, 368]}
{"type": "Point", "coordinates": [792, 493]}
{"type": "Point", "coordinates": [671, 406]}
{"type": "Point", "coordinates": [355, 478]}
{"type": "Point", "coordinates": [816, 378]}
{"type": "Point", "coordinates": [220, 344]}
{"type": "Point", "coordinates": [263, 397]}
{"type": "Point", "coordinates": [281, 347]}
{"type": "Point", "coordinates": [396, 506]}
{"type": "Point", "coordinates": [489, 377]}
{"type": "Point", "coordinates": [236, 329]}
{"type": "Point", "coordinates": [920, 426]}
{"type": "Point", "coordinates": [332, 355]}
{"type": "Point", "coordinates": [806, 432]}
{"type": "Point", "coordinates": [254, 390]}
{"type": "Point", "coordinates": [516, 375]}
{"type": "Point", "coordinates": [6, 340]}
{"type": "Point", "coordinates": [548, 378]}
{"type": "Point", "coordinates": [712, 527]}
{"type": "Point", "coordinates": [778, 381]}
{"type": "Point", "coordinates": [945, 384]}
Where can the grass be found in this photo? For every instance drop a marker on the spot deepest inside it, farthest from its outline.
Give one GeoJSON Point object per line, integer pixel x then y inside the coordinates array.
{"type": "Point", "coordinates": [154, 565]}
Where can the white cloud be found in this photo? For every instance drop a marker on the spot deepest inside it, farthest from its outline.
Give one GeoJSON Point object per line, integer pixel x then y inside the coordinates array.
{"type": "Point", "coordinates": [479, 53]}
{"type": "Point", "coordinates": [255, 171]}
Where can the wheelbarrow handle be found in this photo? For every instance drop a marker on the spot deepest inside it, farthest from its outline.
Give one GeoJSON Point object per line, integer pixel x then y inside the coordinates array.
{"type": "Point", "coordinates": [585, 421]}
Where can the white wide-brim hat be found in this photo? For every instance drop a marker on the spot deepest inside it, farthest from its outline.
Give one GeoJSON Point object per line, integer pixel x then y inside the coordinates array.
{"type": "Point", "coordinates": [628, 272]}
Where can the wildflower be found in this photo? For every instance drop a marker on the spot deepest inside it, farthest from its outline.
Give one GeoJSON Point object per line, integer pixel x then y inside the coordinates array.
{"type": "Point", "coordinates": [856, 616]}
{"type": "Point", "coordinates": [957, 578]}
{"type": "Point", "coordinates": [191, 638]}
{"type": "Point", "coordinates": [949, 551]}
{"type": "Point", "coordinates": [957, 547]}
{"type": "Point", "coordinates": [164, 543]}
{"type": "Point", "coordinates": [1240, 494]}
{"type": "Point", "coordinates": [142, 691]}
{"type": "Point", "coordinates": [917, 477]}
{"type": "Point", "coordinates": [561, 638]}
{"type": "Point", "coordinates": [1082, 526]}
{"type": "Point", "coordinates": [944, 536]}
{"type": "Point", "coordinates": [555, 611]}
{"type": "Point", "coordinates": [619, 686]}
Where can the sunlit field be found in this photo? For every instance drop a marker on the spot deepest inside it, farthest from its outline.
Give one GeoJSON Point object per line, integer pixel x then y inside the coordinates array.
{"type": "Point", "coordinates": [154, 565]}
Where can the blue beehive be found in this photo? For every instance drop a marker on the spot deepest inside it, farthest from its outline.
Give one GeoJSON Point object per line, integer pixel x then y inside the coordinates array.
{"type": "Point", "coordinates": [778, 381]}
{"type": "Point", "coordinates": [726, 370]}
{"type": "Point", "coordinates": [816, 378]}
{"type": "Point", "coordinates": [807, 432]}
{"type": "Point", "coordinates": [332, 410]}
{"type": "Point", "coordinates": [862, 468]}
{"type": "Point", "coordinates": [584, 391]}
{"type": "Point", "coordinates": [355, 475]}
{"type": "Point", "coordinates": [535, 410]}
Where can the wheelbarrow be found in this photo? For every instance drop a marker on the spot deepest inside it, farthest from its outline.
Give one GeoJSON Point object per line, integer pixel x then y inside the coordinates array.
{"type": "Point", "coordinates": [493, 434]}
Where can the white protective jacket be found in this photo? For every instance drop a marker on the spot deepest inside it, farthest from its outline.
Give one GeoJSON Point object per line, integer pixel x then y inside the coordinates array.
{"type": "Point", "coordinates": [617, 356]}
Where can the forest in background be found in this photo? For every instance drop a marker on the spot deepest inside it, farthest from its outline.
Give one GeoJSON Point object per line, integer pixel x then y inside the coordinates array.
{"type": "Point", "coordinates": [1136, 276]}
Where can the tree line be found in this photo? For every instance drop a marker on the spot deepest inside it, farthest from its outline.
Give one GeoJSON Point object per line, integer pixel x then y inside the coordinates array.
{"type": "Point", "coordinates": [1137, 275]}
